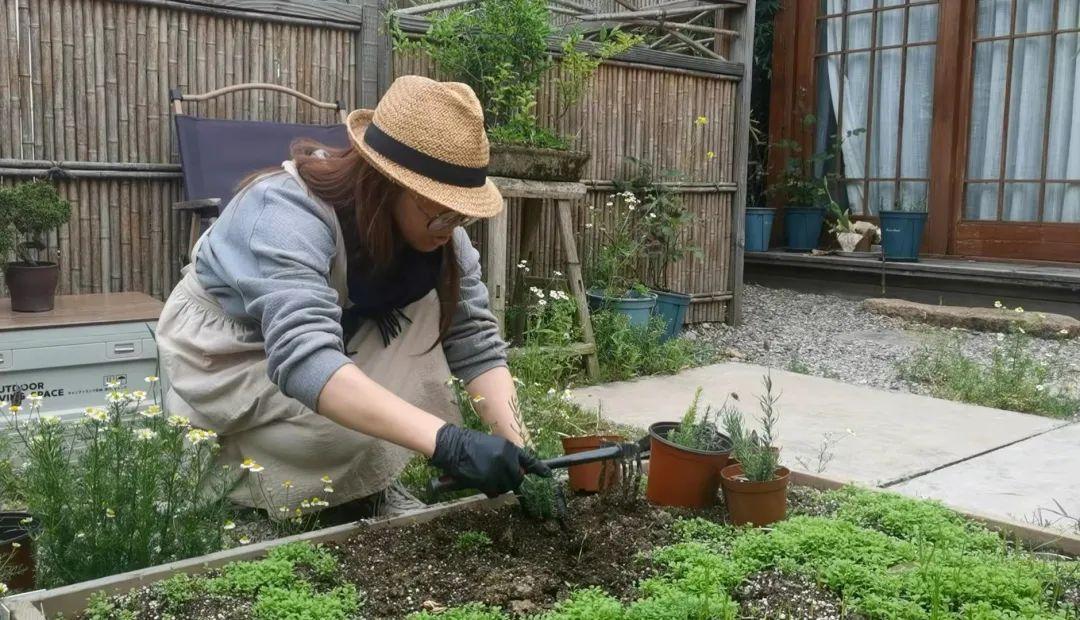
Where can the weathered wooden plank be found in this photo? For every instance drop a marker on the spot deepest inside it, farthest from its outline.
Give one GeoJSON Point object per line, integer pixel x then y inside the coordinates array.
{"type": "Point", "coordinates": [316, 10]}
{"type": "Point", "coordinates": [744, 52]}
{"type": "Point", "coordinates": [525, 188]}
{"type": "Point", "coordinates": [577, 287]}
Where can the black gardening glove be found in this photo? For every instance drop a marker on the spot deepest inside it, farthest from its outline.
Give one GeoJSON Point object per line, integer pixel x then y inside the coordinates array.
{"type": "Point", "coordinates": [481, 461]}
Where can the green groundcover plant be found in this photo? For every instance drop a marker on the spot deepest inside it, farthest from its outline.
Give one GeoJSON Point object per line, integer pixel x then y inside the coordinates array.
{"type": "Point", "coordinates": [883, 555]}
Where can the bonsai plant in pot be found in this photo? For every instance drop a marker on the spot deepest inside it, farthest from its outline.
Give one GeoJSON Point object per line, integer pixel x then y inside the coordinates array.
{"type": "Point", "coordinates": [27, 213]}
{"type": "Point", "coordinates": [664, 221]}
{"type": "Point", "coordinates": [902, 230]}
{"type": "Point", "coordinates": [500, 49]}
{"type": "Point", "coordinates": [755, 488]}
{"type": "Point", "coordinates": [614, 280]}
{"type": "Point", "coordinates": [686, 459]}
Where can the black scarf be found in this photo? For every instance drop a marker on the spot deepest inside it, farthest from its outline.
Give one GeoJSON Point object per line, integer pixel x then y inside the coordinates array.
{"type": "Point", "coordinates": [381, 297]}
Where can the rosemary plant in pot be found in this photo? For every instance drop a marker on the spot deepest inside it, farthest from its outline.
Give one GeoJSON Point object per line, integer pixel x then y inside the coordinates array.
{"type": "Point", "coordinates": [686, 458]}
{"type": "Point", "coordinates": [500, 49]}
{"type": "Point", "coordinates": [755, 488]}
{"type": "Point", "coordinates": [615, 260]}
{"type": "Point", "coordinates": [27, 213]}
{"type": "Point", "coordinates": [664, 223]}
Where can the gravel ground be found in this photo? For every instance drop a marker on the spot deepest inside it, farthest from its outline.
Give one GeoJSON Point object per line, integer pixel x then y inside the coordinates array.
{"type": "Point", "coordinates": [834, 337]}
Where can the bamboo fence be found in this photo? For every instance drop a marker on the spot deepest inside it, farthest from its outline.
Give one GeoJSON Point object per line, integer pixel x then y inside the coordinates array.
{"type": "Point", "coordinates": [86, 82]}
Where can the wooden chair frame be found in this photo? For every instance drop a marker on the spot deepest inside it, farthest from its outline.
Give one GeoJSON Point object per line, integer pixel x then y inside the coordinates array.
{"type": "Point", "coordinates": [204, 211]}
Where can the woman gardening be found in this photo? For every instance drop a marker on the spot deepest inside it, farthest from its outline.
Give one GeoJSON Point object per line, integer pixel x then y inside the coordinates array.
{"type": "Point", "coordinates": [323, 313]}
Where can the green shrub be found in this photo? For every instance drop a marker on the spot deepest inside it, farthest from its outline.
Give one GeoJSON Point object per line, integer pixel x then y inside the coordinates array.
{"type": "Point", "coordinates": [126, 488]}
{"type": "Point", "coordinates": [472, 541]}
{"type": "Point", "coordinates": [681, 605]}
{"type": "Point", "coordinates": [276, 603]}
{"type": "Point", "coordinates": [1013, 378]}
{"type": "Point", "coordinates": [27, 212]}
{"type": "Point", "coordinates": [626, 351]}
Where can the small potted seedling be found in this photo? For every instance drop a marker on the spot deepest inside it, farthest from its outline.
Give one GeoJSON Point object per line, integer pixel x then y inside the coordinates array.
{"type": "Point", "coordinates": [686, 458]}
{"type": "Point", "coordinates": [27, 212]}
{"type": "Point", "coordinates": [755, 488]}
{"type": "Point", "coordinates": [592, 477]}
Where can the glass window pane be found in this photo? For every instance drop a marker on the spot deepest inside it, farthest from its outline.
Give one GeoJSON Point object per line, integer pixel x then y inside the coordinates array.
{"type": "Point", "coordinates": [1063, 156]}
{"type": "Point", "coordinates": [828, 69]}
{"type": "Point", "coordinates": [860, 5]}
{"type": "Point", "coordinates": [853, 128]}
{"type": "Point", "coordinates": [994, 18]}
{"type": "Point", "coordinates": [987, 110]}
{"type": "Point", "coordinates": [882, 196]}
{"type": "Point", "coordinates": [1034, 16]}
{"type": "Point", "coordinates": [1062, 203]}
{"type": "Point", "coordinates": [890, 27]}
{"type": "Point", "coordinates": [918, 111]}
{"type": "Point", "coordinates": [923, 24]}
{"type": "Point", "coordinates": [1068, 14]}
{"type": "Point", "coordinates": [1021, 202]}
{"type": "Point", "coordinates": [855, 198]}
{"type": "Point", "coordinates": [980, 202]}
{"type": "Point", "coordinates": [884, 127]}
{"type": "Point", "coordinates": [1027, 112]}
{"type": "Point", "coordinates": [893, 2]}
{"type": "Point", "coordinates": [859, 31]}
{"type": "Point", "coordinates": [830, 33]}
{"type": "Point", "coordinates": [913, 195]}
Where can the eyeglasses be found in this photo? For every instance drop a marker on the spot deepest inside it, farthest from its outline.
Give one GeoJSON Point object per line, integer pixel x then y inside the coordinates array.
{"type": "Point", "coordinates": [448, 220]}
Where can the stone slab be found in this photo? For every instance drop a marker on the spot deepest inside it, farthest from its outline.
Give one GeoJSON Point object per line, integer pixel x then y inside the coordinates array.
{"type": "Point", "coordinates": [895, 435]}
{"type": "Point", "coordinates": [1017, 482]}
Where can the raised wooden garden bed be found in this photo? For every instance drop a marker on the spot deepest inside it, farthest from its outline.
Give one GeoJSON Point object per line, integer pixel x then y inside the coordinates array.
{"type": "Point", "coordinates": [525, 568]}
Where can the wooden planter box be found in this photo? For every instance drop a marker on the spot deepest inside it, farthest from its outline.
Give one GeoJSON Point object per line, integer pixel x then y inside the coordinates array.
{"type": "Point", "coordinates": [71, 600]}
{"type": "Point", "coordinates": [519, 162]}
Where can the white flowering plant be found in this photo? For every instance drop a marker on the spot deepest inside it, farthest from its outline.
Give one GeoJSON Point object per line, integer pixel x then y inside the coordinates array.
{"type": "Point", "coordinates": [621, 248]}
{"type": "Point", "coordinates": [124, 488]}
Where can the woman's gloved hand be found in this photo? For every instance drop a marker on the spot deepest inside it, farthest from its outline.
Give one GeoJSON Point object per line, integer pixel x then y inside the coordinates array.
{"type": "Point", "coordinates": [481, 461]}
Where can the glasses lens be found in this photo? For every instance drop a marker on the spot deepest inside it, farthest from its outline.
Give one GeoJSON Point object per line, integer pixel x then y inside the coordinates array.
{"type": "Point", "coordinates": [450, 220]}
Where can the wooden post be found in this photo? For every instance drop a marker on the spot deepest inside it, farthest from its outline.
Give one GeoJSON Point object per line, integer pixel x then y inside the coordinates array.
{"type": "Point", "coordinates": [741, 52]}
{"type": "Point", "coordinates": [531, 212]}
{"type": "Point", "coordinates": [495, 265]}
{"type": "Point", "coordinates": [577, 287]}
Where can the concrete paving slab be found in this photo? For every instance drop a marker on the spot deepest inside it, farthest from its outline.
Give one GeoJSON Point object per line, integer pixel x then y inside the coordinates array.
{"type": "Point", "coordinates": [1016, 481]}
{"type": "Point", "coordinates": [896, 435]}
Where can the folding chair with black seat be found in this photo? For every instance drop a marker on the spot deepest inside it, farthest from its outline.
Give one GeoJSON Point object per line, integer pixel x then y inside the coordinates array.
{"type": "Point", "coordinates": [217, 154]}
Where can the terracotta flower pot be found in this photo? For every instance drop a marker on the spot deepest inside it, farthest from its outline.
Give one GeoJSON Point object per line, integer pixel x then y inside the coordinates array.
{"type": "Point", "coordinates": [587, 477]}
{"type": "Point", "coordinates": [32, 287]}
{"type": "Point", "coordinates": [13, 532]}
{"type": "Point", "coordinates": [757, 503]}
{"type": "Point", "coordinates": [680, 476]}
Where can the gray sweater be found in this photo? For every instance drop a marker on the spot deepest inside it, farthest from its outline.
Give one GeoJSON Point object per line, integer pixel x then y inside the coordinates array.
{"type": "Point", "coordinates": [267, 260]}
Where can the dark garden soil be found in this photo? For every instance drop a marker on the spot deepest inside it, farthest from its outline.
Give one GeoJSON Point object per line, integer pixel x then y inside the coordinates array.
{"type": "Point", "coordinates": [773, 595]}
{"type": "Point", "coordinates": [528, 566]}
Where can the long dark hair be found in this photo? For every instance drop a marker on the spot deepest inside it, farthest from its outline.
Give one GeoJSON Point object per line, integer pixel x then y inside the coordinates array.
{"type": "Point", "coordinates": [364, 199]}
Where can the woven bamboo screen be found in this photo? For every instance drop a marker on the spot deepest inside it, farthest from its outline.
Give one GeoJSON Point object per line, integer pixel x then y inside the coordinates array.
{"type": "Point", "coordinates": [88, 80]}
{"type": "Point", "coordinates": [648, 114]}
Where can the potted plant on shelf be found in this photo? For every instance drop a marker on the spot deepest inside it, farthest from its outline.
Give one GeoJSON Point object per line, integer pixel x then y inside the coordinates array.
{"type": "Point", "coordinates": [27, 212]}
{"type": "Point", "coordinates": [614, 281]}
{"type": "Point", "coordinates": [844, 229]}
{"type": "Point", "coordinates": [755, 488]}
{"type": "Point", "coordinates": [803, 215]}
{"type": "Point", "coordinates": [902, 230]}
{"type": "Point", "coordinates": [664, 221]}
{"type": "Point", "coordinates": [686, 459]}
{"type": "Point", "coordinates": [759, 218]}
{"type": "Point", "coordinates": [500, 49]}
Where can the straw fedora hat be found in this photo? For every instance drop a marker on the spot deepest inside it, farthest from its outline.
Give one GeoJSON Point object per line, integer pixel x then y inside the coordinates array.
{"type": "Point", "coordinates": [429, 137]}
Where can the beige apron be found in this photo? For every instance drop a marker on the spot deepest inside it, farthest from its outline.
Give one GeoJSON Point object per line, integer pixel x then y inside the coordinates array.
{"type": "Point", "coordinates": [216, 368]}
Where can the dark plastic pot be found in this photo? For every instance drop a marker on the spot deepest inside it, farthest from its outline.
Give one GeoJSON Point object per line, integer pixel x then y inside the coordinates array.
{"type": "Point", "coordinates": [672, 308]}
{"type": "Point", "coordinates": [756, 503]}
{"type": "Point", "coordinates": [13, 532]}
{"type": "Point", "coordinates": [802, 227]}
{"type": "Point", "coordinates": [679, 476]}
{"type": "Point", "coordinates": [32, 287]}
{"type": "Point", "coordinates": [758, 228]}
{"type": "Point", "coordinates": [901, 234]}
{"type": "Point", "coordinates": [591, 477]}
{"type": "Point", "coordinates": [638, 307]}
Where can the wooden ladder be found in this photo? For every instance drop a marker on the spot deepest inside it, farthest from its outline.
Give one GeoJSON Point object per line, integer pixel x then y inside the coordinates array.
{"type": "Point", "coordinates": [496, 239]}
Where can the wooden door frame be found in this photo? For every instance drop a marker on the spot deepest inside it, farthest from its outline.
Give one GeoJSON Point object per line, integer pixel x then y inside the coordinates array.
{"type": "Point", "coordinates": [793, 92]}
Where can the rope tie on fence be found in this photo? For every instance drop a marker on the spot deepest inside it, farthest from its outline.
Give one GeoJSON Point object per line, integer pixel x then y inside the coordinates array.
{"type": "Point", "coordinates": [56, 172]}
